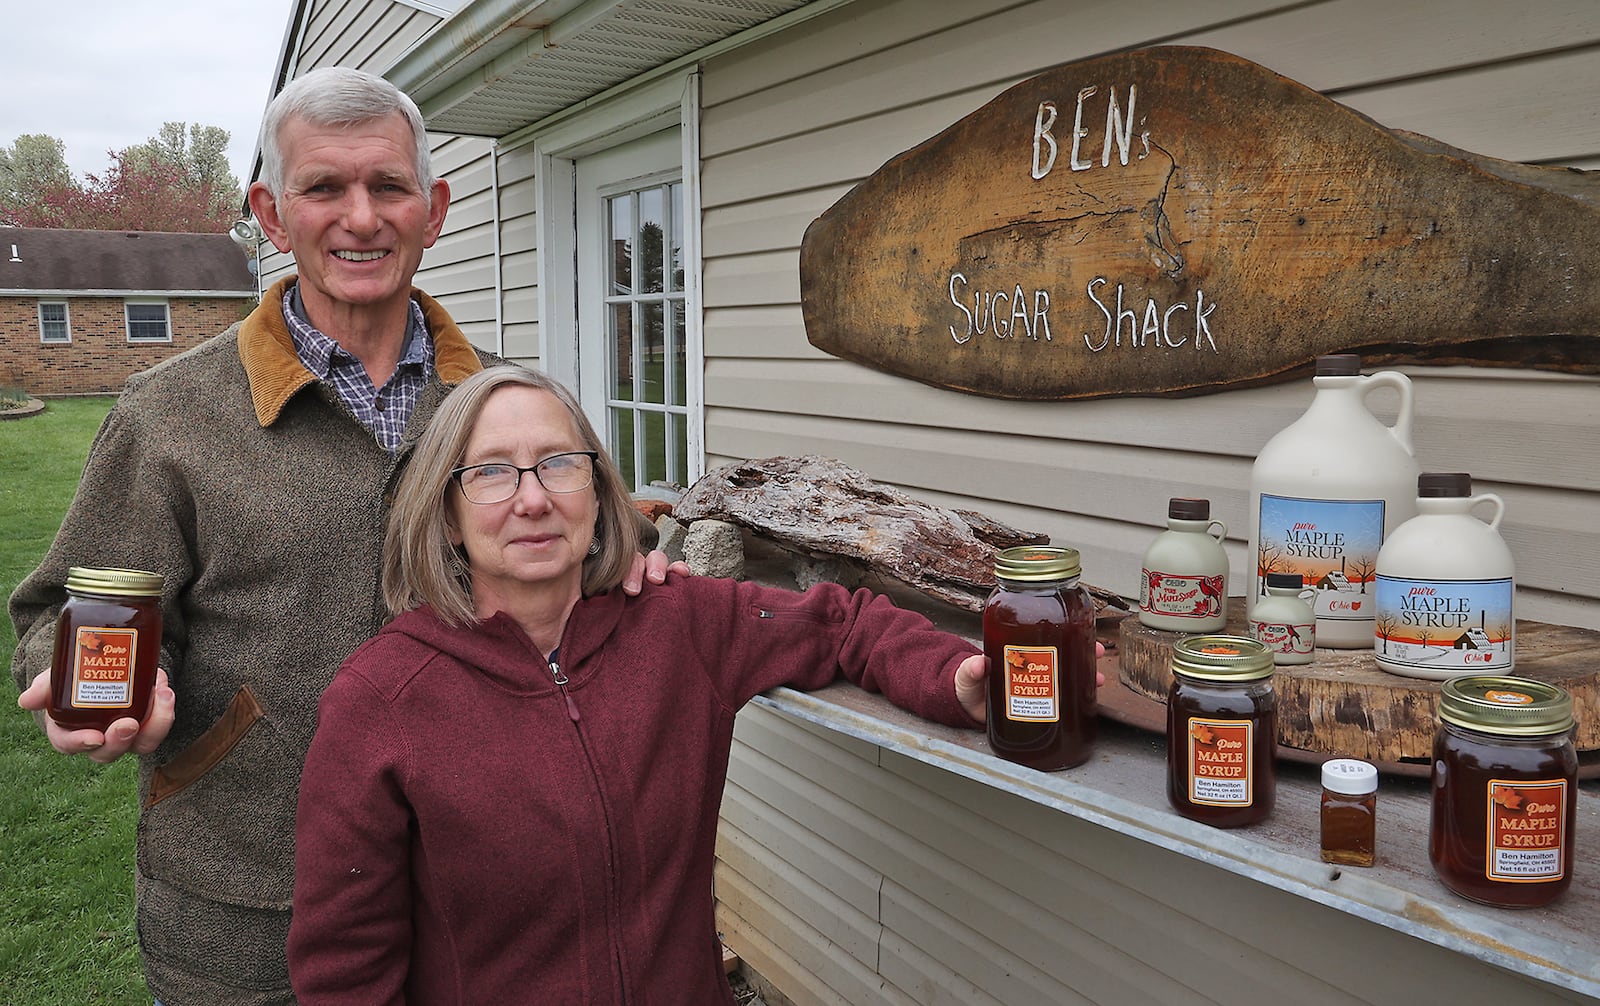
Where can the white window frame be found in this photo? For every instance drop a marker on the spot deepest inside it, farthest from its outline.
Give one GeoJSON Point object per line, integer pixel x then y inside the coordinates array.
{"type": "Point", "coordinates": [66, 320]}
{"type": "Point", "coordinates": [127, 319]}
{"type": "Point", "coordinates": [673, 99]}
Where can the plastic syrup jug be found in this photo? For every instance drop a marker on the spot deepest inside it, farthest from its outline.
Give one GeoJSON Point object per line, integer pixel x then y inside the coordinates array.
{"type": "Point", "coordinates": [1445, 588]}
{"type": "Point", "coordinates": [1324, 493]}
{"type": "Point", "coordinates": [1184, 585]}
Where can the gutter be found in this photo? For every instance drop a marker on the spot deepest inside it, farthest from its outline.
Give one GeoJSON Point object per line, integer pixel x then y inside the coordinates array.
{"type": "Point", "coordinates": [486, 41]}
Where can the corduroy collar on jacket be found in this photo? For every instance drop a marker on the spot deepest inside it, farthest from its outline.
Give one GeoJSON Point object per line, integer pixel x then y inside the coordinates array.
{"type": "Point", "coordinates": [267, 350]}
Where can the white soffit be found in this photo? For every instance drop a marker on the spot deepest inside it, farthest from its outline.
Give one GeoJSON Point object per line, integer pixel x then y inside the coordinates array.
{"type": "Point", "coordinates": [497, 66]}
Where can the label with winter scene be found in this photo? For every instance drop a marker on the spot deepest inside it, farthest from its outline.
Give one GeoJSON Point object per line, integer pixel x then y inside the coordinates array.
{"type": "Point", "coordinates": [1179, 595]}
{"type": "Point", "coordinates": [1527, 829]}
{"type": "Point", "coordinates": [1332, 544]}
{"type": "Point", "coordinates": [1453, 625]}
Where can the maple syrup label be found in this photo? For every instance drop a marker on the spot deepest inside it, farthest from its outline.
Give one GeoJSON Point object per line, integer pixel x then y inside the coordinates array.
{"type": "Point", "coordinates": [1219, 762]}
{"type": "Point", "coordinates": [1180, 596]}
{"type": "Point", "coordinates": [1527, 830]}
{"type": "Point", "coordinates": [1280, 637]}
{"type": "Point", "coordinates": [1456, 625]}
{"type": "Point", "coordinates": [1032, 684]}
{"type": "Point", "coordinates": [1333, 546]}
{"type": "Point", "coordinates": [102, 667]}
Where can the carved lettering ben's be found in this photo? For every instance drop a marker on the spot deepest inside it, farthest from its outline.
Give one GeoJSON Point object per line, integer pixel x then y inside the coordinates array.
{"type": "Point", "coordinates": [1179, 220]}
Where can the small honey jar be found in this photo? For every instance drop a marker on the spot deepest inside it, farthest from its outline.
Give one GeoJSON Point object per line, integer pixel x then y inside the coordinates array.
{"type": "Point", "coordinates": [1222, 731]}
{"type": "Point", "coordinates": [1349, 812]}
{"type": "Point", "coordinates": [108, 639]}
{"type": "Point", "coordinates": [1505, 790]}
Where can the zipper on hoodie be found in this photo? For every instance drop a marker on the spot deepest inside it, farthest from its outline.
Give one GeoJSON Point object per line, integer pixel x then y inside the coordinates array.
{"type": "Point", "coordinates": [793, 614]}
{"type": "Point", "coordinates": [561, 681]}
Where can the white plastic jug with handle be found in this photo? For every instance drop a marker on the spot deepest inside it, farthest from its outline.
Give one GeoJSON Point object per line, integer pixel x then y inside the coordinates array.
{"type": "Point", "coordinates": [1445, 586]}
{"type": "Point", "coordinates": [1326, 491]}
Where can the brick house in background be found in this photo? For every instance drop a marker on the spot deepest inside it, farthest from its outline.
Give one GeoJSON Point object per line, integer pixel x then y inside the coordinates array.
{"type": "Point", "coordinates": [81, 311]}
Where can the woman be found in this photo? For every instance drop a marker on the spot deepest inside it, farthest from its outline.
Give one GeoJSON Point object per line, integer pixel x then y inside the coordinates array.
{"type": "Point", "coordinates": [513, 791]}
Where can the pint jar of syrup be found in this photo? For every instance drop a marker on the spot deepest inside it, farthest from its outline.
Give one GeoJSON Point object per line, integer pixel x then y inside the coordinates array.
{"type": "Point", "coordinates": [108, 639]}
{"type": "Point", "coordinates": [1038, 633]}
{"type": "Point", "coordinates": [1222, 731]}
{"type": "Point", "coordinates": [1505, 790]}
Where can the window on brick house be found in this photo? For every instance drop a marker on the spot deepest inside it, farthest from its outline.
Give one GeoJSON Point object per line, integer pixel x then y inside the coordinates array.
{"type": "Point", "coordinates": [54, 325]}
{"type": "Point", "coordinates": [147, 321]}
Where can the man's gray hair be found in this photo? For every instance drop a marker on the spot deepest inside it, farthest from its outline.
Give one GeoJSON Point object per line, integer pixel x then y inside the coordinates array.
{"type": "Point", "coordinates": [339, 96]}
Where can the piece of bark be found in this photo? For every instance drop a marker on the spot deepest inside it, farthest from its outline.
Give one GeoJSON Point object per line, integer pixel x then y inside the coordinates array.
{"type": "Point", "coordinates": [1345, 704]}
{"type": "Point", "coordinates": [822, 507]}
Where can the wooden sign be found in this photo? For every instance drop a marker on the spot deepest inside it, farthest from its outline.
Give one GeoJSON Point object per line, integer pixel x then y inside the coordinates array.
{"type": "Point", "coordinates": [1178, 220]}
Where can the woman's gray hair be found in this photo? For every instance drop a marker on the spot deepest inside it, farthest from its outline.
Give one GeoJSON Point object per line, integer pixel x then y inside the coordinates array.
{"type": "Point", "coordinates": [421, 566]}
{"type": "Point", "coordinates": [339, 96]}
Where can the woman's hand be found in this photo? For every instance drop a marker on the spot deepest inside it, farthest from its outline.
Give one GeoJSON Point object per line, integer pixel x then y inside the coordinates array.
{"type": "Point", "coordinates": [122, 736]}
{"type": "Point", "coordinates": [973, 693]}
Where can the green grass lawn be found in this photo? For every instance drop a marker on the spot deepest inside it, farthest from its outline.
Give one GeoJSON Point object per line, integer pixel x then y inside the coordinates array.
{"type": "Point", "coordinates": [66, 825]}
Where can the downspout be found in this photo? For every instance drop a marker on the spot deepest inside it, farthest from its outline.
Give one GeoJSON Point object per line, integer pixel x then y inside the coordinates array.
{"type": "Point", "coordinates": [499, 267]}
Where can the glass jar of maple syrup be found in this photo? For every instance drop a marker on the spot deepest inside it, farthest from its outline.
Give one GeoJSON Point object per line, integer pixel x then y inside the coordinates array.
{"type": "Point", "coordinates": [1505, 791]}
{"type": "Point", "coordinates": [108, 639]}
{"type": "Point", "coordinates": [1038, 633]}
{"type": "Point", "coordinates": [1222, 731]}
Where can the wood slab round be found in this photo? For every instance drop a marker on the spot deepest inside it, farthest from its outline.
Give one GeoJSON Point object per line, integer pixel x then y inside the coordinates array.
{"type": "Point", "coordinates": [1343, 703]}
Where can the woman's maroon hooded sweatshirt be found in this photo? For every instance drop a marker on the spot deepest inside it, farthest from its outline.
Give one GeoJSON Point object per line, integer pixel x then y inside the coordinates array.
{"type": "Point", "coordinates": [472, 831]}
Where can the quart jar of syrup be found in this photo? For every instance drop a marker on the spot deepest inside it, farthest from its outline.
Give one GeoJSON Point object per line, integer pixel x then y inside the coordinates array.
{"type": "Point", "coordinates": [1038, 633]}
{"type": "Point", "coordinates": [1222, 731]}
{"type": "Point", "coordinates": [1505, 790]}
{"type": "Point", "coordinates": [108, 639]}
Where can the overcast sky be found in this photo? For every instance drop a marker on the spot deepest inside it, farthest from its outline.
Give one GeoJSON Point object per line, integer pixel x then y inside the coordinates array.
{"type": "Point", "coordinates": [105, 74]}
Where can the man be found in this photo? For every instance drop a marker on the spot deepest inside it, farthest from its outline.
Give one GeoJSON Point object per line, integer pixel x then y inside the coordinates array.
{"type": "Point", "coordinates": [254, 473]}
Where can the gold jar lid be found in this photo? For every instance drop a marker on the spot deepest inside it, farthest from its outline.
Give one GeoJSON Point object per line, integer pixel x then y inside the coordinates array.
{"type": "Point", "coordinates": [1221, 658]}
{"type": "Point", "coordinates": [1514, 707]}
{"type": "Point", "coordinates": [126, 582]}
{"type": "Point", "coordinates": [1037, 563]}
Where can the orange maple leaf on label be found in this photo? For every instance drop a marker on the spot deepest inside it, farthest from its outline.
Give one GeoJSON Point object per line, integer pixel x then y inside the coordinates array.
{"type": "Point", "coordinates": [1508, 797]}
{"type": "Point", "coordinates": [91, 641]}
{"type": "Point", "coordinates": [1015, 659]}
{"type": "Point", "coordinates": [1202, 733]}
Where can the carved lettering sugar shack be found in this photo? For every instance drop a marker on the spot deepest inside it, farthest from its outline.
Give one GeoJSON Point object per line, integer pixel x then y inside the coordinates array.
{"type": "Point", "coordinates": [1178, 220]}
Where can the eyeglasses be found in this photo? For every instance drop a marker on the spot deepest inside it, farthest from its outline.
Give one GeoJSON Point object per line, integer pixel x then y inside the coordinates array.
{"type": "Point", "coordinates": [497, 481]}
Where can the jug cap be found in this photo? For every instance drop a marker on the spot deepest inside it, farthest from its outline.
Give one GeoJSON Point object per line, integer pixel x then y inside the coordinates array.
{"type": "Point", "coordinates": [1294, 580]}
{"type": "Point", "coordinates": [1339, 365]}
{"type": "Point", "coordinates": [1187, 508]}
{"type": "Point", "coordinates": [1444, 485]}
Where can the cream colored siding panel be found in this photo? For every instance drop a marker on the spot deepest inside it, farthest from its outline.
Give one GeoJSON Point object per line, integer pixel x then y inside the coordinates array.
{"type": "Point", "coordinates": [810, 898]}
{"type": "Point", "coordinates": [765, 332]}
{"type": "Point", "coordinates": [764, 224]}
{"type": "Point", "coordinates": [1315, 38]}
{"type": "Point", "coordinates": [1544, 107]}
{"type": "Point", "coordinates": [752, 823]}
{"type": "Point", "coordinates": [749, 280]}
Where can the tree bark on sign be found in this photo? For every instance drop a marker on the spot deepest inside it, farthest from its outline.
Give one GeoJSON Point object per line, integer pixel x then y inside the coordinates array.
{"type": "Point", "coordinates": [823, 507]}
{"type": "Point", "coordinates": [1176, 220]}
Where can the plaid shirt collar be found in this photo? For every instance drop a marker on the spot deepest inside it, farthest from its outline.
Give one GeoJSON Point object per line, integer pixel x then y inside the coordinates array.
{"type": "Point", "coordinates": [384, 411]}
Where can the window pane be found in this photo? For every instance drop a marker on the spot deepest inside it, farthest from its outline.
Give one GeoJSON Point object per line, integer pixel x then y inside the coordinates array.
{"type": "Point", "coordinates": [680, 353]}
{"type": "Point", "coordinates": [680, 448]}
{"type": "Point", "coordinates": [652, 346]}
{"type": "Point", "coordinates": [621, 324]}
{"type": "Point", "coordinates": [652, 239]}
{"type": "Point", "coordinates": [622, 443]}
{"type": "Point", "coordinates": [147, 322]}
{"type": "Point", "coordinates": [675, 262]}
{"type": "Point", "coordinates": [53, 323]}
{"type": "Point", "coordinates": [655, 446]}
{"type": "Point", "coordinates": [621, 253]}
